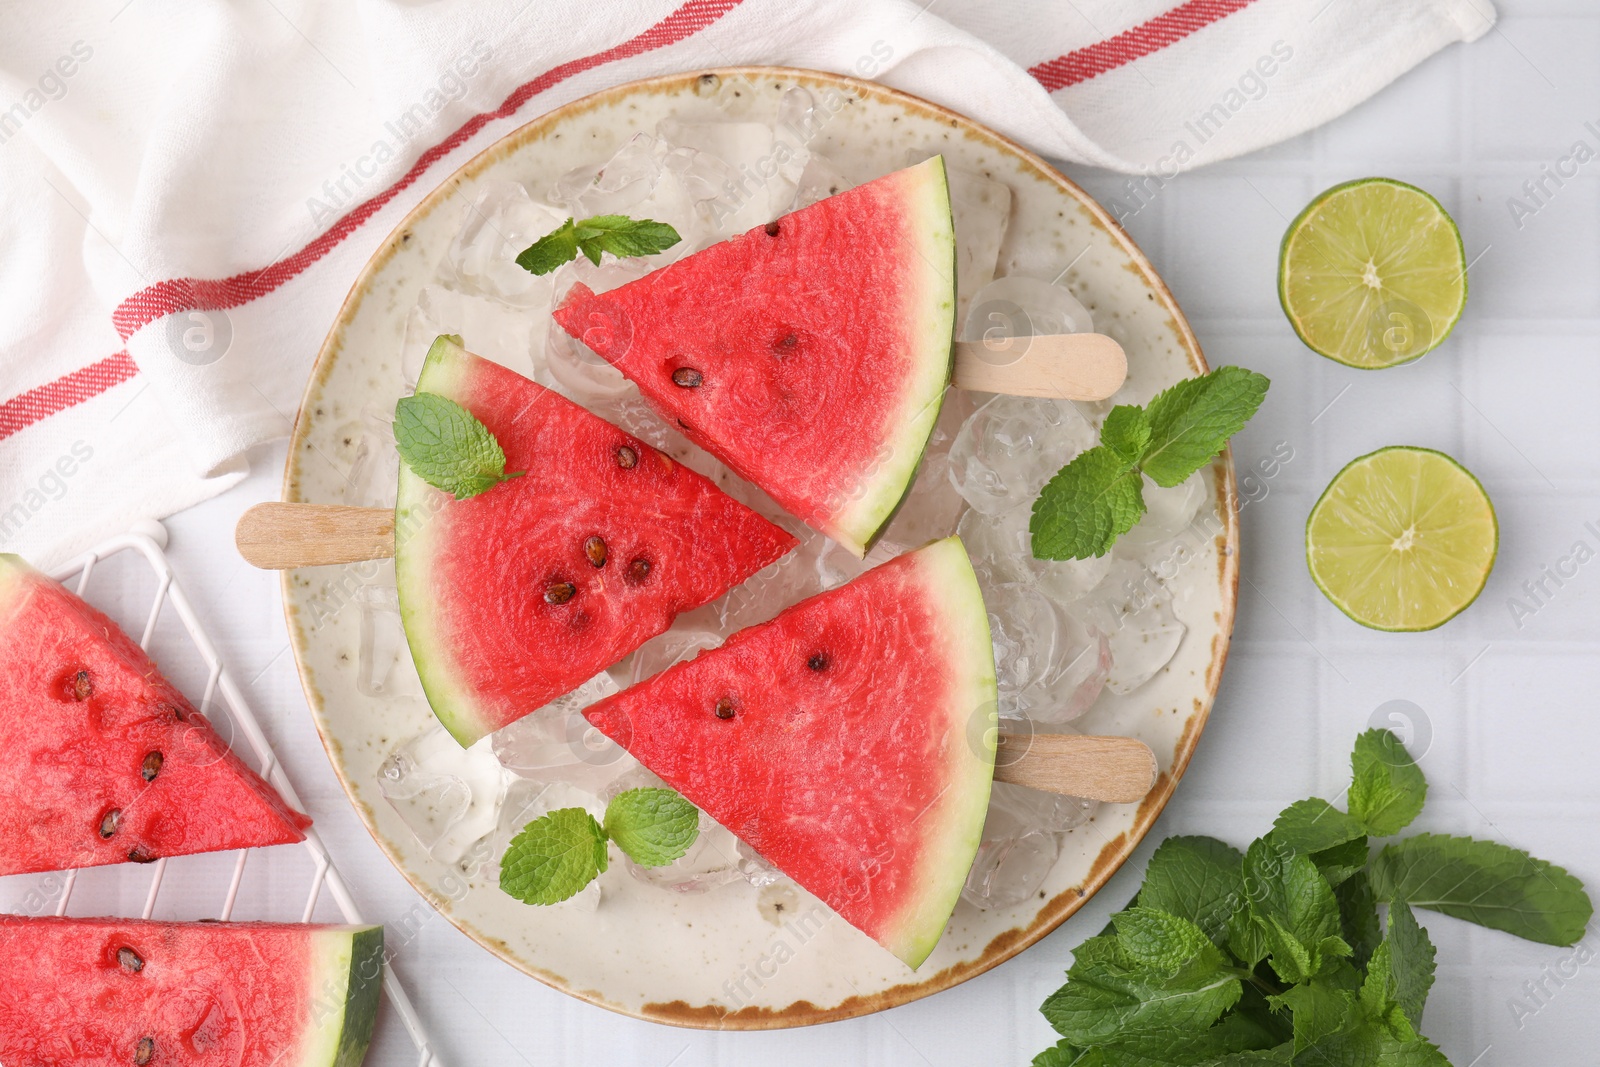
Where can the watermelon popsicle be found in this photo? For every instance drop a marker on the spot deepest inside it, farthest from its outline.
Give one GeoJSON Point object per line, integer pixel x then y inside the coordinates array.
{"type": "Point", "coordinates": [811, 354]}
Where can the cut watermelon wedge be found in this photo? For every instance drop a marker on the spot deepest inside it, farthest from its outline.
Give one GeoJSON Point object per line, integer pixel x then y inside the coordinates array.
{"type": "Point", "coordinates": [810, 355]}
{"type": "Point", "coordinates": [517, 595]}
{"type": "Point", "coordinates": [106, 762]}
{"type": "Point", "coordinates": [82, 992]}
{"type": "Point", "coordinates": [849, 741]}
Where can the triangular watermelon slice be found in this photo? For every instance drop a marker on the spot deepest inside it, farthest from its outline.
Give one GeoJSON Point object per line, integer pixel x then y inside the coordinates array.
{"type": "Point", "coordinates": [92, 992]}
{"type": "Point", "coordinates": [849, 741]}
{"type": "Point", "coordinates": [517, 595]}
{"type": "Point", "coordinates": [106, 762]}
{"type": "Point", "coordinates": [810, 355]}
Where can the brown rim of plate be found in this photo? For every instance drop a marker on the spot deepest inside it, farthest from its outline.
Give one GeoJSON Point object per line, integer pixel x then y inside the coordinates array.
{"type": "Point", "coordinates": [1115, 852]}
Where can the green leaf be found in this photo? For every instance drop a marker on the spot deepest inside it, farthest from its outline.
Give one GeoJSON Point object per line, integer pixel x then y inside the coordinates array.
{"type": "Point", "coordinates": [1387, 788]}
{"type": "Point", "coordinates": [446, 446]}
{"type": "Point", "coordinates": [1338, 863]}
{"type": "Point", "coordinates": [1281, 1056]}
{"type": "Point", "coordinates": [1293, 907]}
{"type": "Point", "coordinates": [1126, 432]}
{"type": "Point", "coordinates": [554, 857]}
{"type": "Point", "coordinates": [1358, 917]}
{"type": "Point", "coordinates": [1196, 878]}
{"type": "Point", "coordinates": [1314, 825]}
{"type": "Point", "coordinates": [1060, 1054]}
{"type": "Point", "coordinates": [1486, 883]}
{"type": "Point", "coordinates": [1190, 422]}
{"type": "Point", "coordinates": [1411, 956]}
{"type": "Point", "coordinates": [1319, 1008]}
{"type": "Point", "coordinates": [623, 237]}
{"type": "Point", "coordinates": [1107, 1002]}
{"type": "Point", "coordinates": [1088, 504]}
{"type": "Point", "coordinates": [550, 251]}
{"type": "Point", "coordinates": [1151, 938]}
{"type": "Point", "coordinates": [654, 826]}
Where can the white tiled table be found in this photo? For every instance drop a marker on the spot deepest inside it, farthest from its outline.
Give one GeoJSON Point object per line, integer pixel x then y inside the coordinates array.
{"type": "Point", "coordinates": [1513, 712]}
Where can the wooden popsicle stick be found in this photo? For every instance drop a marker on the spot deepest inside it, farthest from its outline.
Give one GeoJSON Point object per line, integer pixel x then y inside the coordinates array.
{"type": "Point", "coordinates": [280, 537]}
{"type": "Point", "coordinates": [1120, 770]}
{"type": "Point", "coordinates": [1070, 366]}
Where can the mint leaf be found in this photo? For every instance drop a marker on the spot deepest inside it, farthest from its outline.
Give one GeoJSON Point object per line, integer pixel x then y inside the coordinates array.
{"type": "Point", "coordinates": [1107, 1001]}
{"type": "Point", "coordinates": [1358, 917]}
{"type": "Point", "coordinates": [1190, 422]}
{"type": "Point", "coordinates": [1340, 862]}
{"type": "Point", "coordinates": [654, 826]}
{"type": "Point", "coordinates": [1099, 496]}
{"type": "Point", "coordinates": [1196, 878]}
{"type": "Point", "coordinates": [621, 236]}
{"type": "Point", "coordinates": [1061, 1054]}
{"type": "Point", "coordinates": [1484, 882]}
{"type": "Point", "coordinates": [550, 251]}
{"type": "Point", "coordinates": [1293, 910]}
{"type": "Point", "coordinates": [1162, 942]}
{"type": "Point", "coordinates": [1126, 432]}
{"type": "Point", "coordinates": [1320, 1009]}
{"type": "Point", "coordinates": [1387, 788]}
{"type": "Point", "coordinates": [554, 857]}
{"type": "Point", "coordinates": [446, 446]}
{"type": "Point", "coordinates": [1411, 960]}
{"type": "Point", "coordinates": [1314, 825]}
{"type": "Point", "coordinates": [1088, 504]}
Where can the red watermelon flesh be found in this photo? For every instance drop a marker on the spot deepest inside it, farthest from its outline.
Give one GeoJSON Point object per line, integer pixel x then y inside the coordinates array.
{"type": "Point", "coordinates": [106, 762]}
{"type": "Point", "coordinates": [849, 741]}
{"type": "Point", "coordinates": [810, 355]}
{"type": "Point", "coordinates": [517, 595]}
{"type": "Point", "coordinates": [82, 992]}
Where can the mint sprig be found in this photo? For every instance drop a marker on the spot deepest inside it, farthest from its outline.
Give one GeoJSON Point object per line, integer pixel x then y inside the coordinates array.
{"type": "Point", "coordinates": [1278, 955]}
{"type": "Point", "coordinates": [559, 853]}
{"type": "Point", "coordinates": [621, 236]}
{"type": "Point", "coordinates": [446, 446]}
{"type": "Point", "coordinates": [1099, 496]}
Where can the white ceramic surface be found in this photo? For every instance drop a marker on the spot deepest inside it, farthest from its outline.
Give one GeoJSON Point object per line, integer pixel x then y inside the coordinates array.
{"type": "Point", "coordinates": [713, 960]}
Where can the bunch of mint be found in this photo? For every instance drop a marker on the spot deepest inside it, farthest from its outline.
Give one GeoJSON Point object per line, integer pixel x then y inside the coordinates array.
{"type": "Point", "coordinates": [1278, 956]}
{"type": "Point", "coordinates": [1099, 496]}
{"type": "Point", "coordinates": [558, 854]}
{"type": "Point", "coordinates": [621, 236]}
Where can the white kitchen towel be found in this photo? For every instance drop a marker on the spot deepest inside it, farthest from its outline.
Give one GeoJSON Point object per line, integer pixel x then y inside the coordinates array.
{"type": "Point", "coordinates": [187, 192]}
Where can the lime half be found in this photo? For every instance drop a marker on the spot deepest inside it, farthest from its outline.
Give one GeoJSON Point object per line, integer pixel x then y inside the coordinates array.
{"type": "Point", "coordinates": [1402, 539]}
{"type": "Point", "coordinates": [1373, 273]}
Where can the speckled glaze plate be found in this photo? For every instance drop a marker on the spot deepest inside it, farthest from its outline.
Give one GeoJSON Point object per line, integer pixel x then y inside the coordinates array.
{"type": "Point", "coordinates": [718, 960]}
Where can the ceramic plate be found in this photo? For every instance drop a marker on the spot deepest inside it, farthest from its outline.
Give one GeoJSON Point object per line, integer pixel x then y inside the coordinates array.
{"type": "Point", "coordinates": [732, 958]}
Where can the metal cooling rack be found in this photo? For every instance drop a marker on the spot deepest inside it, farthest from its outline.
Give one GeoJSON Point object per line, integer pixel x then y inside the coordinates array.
{"type": "Point", "coordinates": [146, 542]}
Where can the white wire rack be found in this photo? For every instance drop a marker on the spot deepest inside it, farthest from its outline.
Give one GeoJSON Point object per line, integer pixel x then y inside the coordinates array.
{"type": "Point", "coordinates": [146, 541]}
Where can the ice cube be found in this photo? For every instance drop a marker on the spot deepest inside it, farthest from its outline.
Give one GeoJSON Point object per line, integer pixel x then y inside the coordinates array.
{"type": "Point", "coordinates": [1001, 547]}
{"type": "Point", "coordinates": [1075, 676]}
{"type": "Point", "coordinates": [448, 796]}
{"type": "Point", "coordinates": [384, 667]}
{"type": "Point", "coordinates": [501, 221]}
{"type": "Point", "coordinates": [756, 180]}
{"type": "Point", "coordinates": [668, 649]}
{"type": "Point", "coordinates": [1133, 608]}
{"type": "Point", "coordinates": [486, 326]}
{"type": "Point", "coordinates": [819, 179]}
{"type": "Point", "coordinates": [1168, 513]}
{"type": "Point", "coordinates": [1040, 810]}
{"type": "Point", "coordinates": [1019, 306]}
{"type": "Point", "coordinates": [774, 587]}
{"type": "Point", "coordinates": [1013, 858]}
{"type": "Point", "coordinates": [615, 186]}
{"type": "Point", "coordinates": [375, 467]}
{"type": "Point", "coordinates": [557, 744]}
{"type": "Point", "coordinates": [755, 868]}
{"type": "Point", "coordinates": [1025, 629]}
{"type": "Point", "coordinates": [1008, 448]}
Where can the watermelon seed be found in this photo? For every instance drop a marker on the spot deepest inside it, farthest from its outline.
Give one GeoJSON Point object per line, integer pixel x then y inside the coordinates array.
{"type": "Point", "coordinates": [725, 708]}
{"type": "Point", "coordinates": [145, 1052]}
{"type": "Point", "coordinates": [110, 823]}
{"type": "Point", "coordinates": [772, 228]}
{"type": "Point", "coordinates": [152, 766]}
{"type": "Point", "coordinates": [785, 343]}
{"type": "Point", "coordinates": [81, 687]}
{"type": "Point", "coordinates": [130, 959]}
{"type": "Point", "coordinates": [687, 378]}
{"type": "Point", "coordinates": [627, 458]}
{"type": "Point", "coordinates": [818, 661]}
{"type": "Point", "coordinates": [140, 854]}
{"type": "Point", "coordinates": [595, 549]}
{"type": "Point", "coordinates": [559, 592]}
{"type": "Point", "coordinates": [639, 570]}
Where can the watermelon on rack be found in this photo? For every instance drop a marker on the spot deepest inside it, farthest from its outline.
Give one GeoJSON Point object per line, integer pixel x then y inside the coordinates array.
{"type": "Point", "coordinates": [517, 595]}
{"type": "Point", "coordinates": [82, 992]}
{"type": "Point", "coordinates": [850, 741]}
{"type": "Point", "coordinates": [811, 354]}
{"type": "Point", "coordinates": [106, 762]}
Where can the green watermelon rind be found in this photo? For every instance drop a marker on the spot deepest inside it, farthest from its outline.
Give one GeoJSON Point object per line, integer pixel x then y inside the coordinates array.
{"type": "Point", "coordinates": [444, 372]}
{"type": "Point", "coordinates": [859, 524]}
{"type": "Point", "coordinates": [346, 982]}
{"type": "Point", "coordinates": [974, 713]}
